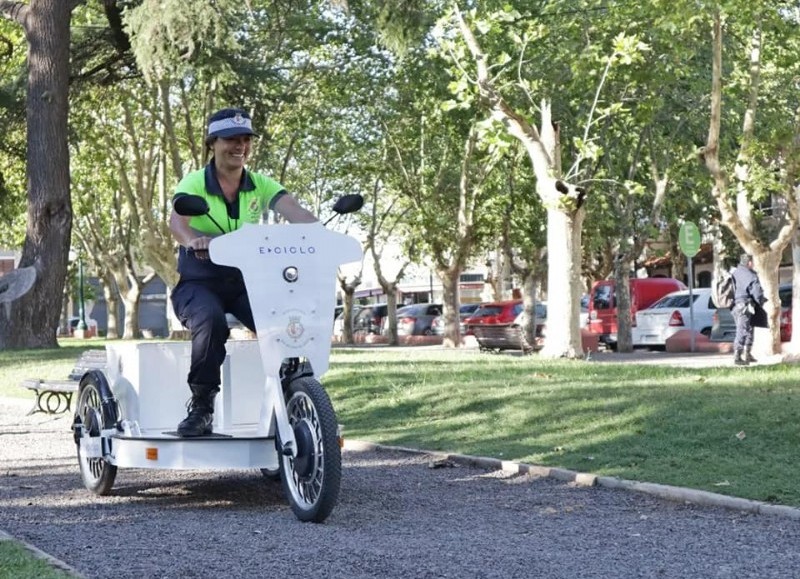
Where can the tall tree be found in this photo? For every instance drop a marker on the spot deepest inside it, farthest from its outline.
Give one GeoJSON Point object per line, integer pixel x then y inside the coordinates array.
{"type": "Point", "coordinates": [564, 201]}
{"type": "Point", "coordinates": [762, 165]}
{"type": "Point", "coordinates": [34, 317]}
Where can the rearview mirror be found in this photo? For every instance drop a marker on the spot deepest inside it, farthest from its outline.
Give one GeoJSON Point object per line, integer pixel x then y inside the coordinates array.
{"type": "Point", "coordinates": [190, 205]}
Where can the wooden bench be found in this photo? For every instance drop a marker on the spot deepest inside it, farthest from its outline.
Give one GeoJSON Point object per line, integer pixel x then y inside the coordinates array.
{"type": "Point", "coordinates": [55, 396]}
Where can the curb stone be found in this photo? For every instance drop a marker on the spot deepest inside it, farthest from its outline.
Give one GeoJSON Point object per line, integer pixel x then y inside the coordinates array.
{"type": "Point", "coordinates": [49, 559]}
{"type": "Point", "coordinates": [672, 493]}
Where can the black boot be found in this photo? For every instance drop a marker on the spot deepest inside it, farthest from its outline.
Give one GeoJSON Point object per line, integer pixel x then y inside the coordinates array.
{"type": "Point", "coordinates": [738, 360]}
{"type": "Point", "coordinates": [748, 357]}
{"type": "Point", "coordinates": [201, 411]}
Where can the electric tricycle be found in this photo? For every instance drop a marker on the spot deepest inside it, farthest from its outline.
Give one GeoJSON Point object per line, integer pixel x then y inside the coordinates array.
{"type": "Point", "coordinates": [272, 412]}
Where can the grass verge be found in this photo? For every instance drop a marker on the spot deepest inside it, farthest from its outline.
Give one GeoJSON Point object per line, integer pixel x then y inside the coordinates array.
{"type": "Point", "coordinates": [727, 430]}
{"type": "Point", "coordinates": [17, 562]}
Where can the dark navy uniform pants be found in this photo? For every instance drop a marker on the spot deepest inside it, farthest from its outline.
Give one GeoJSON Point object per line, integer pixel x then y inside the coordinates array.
{"type": "Point", "coordinates": [201, 306]}
{"type": "Point", "coordinates": [744, 326]}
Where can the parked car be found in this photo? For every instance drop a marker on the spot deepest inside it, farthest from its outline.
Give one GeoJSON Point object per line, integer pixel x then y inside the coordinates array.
{"type": "Point", "coordinates": [493, 313]}
{"type": "Point", "coordinates": [503, 313]}
{"type": "Point", "coordinates": [603, 303]}
{"type": "Point", "coordinates": [583, 319]}
{"type": "Point", "coordinates": [723, 328]}
{"type": "Point", "coordinates": [541, 319]}
{"type": "Point", "coordinates": [464, 311]}
{"type": "Point", "coordinates": [338, 322]}
{"type": "Point", "coordinates": [370, 319]}
{"type": "Point", "coordinates": [414, 319]}
{"type": "Point", "coordinates": [671, 314]}
{"type": "Point", "coordinates": [498, 325]}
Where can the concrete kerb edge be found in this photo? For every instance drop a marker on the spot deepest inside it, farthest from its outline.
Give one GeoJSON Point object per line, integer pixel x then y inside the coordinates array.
{"type": "Point", "coordinates": [47, 558]}
{"type": "Point", "coordinates": [672, 493]}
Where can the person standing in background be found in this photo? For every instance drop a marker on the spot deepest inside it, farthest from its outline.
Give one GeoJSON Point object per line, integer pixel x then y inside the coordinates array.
{"type": "Point", "coordinates": [748, 298]}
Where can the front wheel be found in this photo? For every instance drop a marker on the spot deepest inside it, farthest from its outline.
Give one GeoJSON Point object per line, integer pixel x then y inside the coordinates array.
{"type": "Point", "coordinates": [271, 475]}
{"type": "Point", "coordinates": [311, 479]}
{"type": "Point", "coordinates": [95, 411]}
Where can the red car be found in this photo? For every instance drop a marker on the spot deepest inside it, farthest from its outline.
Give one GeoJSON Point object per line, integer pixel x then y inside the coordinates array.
{"type": "Point", "coordinates": [501, 313]}
{"type": "Point", "coordinates": [493, 313]}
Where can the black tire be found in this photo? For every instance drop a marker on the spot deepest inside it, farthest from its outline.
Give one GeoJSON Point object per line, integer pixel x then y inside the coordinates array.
{"type": "Point", "coordinates": [311, 480]}
{"type": "Point", "coordinates": [269, 474]}
{"type": "Point", "coordinates": [95, 410]}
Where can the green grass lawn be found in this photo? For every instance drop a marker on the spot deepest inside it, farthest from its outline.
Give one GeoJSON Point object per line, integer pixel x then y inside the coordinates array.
{"type": "Point", "coordinates": [728, 430]}
{"type": "Point", "coordinates": [51, 364]}
{"type": "Point", "coordinates": [16, 562]}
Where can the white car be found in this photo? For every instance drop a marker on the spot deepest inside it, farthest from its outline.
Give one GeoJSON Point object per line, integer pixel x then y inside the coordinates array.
{"type": "Point", "coordinates": [671, 314]}
{"type": "Point", "coordinates": [338, 322]}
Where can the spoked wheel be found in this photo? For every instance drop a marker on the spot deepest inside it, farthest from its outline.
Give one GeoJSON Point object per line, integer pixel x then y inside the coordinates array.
{"type": "Point", "coordinates": [95, 411]}
{"type": "Point", "coordinates": [311, 479]}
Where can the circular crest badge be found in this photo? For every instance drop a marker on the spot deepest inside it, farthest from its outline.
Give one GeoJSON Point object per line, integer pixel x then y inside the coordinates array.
{"type": "Point", "coordinates": [295, 330]}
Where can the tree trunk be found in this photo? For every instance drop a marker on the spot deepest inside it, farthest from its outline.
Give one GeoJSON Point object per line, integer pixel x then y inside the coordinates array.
{"type": "Point", "coordinates": [34, 317]}
{"type": "Point", "coordinates": [349, 290]}
{"type": "Point", "coordinates": [129, 287]}
{"type": "Point", "coordinates": [450, 303]}
{"type": "Point", "coordinates": [529, 300]}
{"type": "Point", "coordinates": [112, 302]}
{"type": "Point", "coordinates": [764, 264]}
{"type": "Point", "coordinates": [347, 317]}
{"type": "Point", "coordinates": [390, 290]}
{"type": "Point", "coordinates": [564, 286]}
{"type": "Point", "coordinates": [130, 299]}
{"type": "Point", "coordinates": [64, 324]}
{"type": "Point", "coordinates": [794, 344]}
{"type": "Point", "coordinates": [622, 299]}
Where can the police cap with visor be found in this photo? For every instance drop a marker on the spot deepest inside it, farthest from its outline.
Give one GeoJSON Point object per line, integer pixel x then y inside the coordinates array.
{"type": "Point", "coordinates": [228, 123]}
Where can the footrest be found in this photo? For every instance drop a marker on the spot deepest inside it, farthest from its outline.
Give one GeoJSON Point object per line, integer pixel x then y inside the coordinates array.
{"type": "Point", "coordinates": [204, 437]}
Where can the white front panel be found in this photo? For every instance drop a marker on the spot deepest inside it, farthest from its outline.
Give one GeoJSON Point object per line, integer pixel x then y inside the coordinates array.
{"type": "Point", "coordinates": [293, 317]}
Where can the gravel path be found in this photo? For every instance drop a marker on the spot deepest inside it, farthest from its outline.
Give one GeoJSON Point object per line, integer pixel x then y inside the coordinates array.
{"type": "Point", "coordinates": [397, 518]}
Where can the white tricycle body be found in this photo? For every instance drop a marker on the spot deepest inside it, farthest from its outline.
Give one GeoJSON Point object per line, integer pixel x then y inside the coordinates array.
{"type": "Point", "coordinates": [271, 412]}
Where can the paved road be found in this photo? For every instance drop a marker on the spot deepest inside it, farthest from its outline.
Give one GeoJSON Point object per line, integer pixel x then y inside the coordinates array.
{"type": "Point", "coordinates": [397, 518]}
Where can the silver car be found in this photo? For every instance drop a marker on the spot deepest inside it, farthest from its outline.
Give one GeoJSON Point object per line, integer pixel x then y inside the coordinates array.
{"type": "Point", "coordinates": [464, 311]}
{"type": "Point", "coordinates": [416, 319]}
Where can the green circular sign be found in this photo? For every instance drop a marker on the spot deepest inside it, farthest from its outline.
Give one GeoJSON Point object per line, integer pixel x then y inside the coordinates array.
{"type": "Point", "coordinates": [689, 239]}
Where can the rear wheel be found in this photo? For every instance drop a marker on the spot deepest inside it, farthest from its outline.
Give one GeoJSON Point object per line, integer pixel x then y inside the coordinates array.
{"type": "Point", "coordinates": [311, 479]}
{"type": "Point", "coordinates": [95, 411]}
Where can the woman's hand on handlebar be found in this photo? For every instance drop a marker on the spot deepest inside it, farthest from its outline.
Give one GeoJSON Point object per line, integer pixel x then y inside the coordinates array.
{"type": "Point", "coordinates": [199, 246]}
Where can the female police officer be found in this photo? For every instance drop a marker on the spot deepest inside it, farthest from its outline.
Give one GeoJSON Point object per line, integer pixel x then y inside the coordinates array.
{"type": "Point", "coordinates": [206, 292]}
